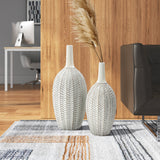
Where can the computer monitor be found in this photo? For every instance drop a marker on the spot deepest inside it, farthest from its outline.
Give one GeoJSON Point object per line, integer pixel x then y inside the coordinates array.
{"type": "Point", "coordinates": [23, 33]}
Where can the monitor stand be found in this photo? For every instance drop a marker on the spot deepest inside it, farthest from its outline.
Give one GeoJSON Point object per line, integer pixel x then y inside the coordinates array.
{"type": "Point", "coordinates": [19, 40]}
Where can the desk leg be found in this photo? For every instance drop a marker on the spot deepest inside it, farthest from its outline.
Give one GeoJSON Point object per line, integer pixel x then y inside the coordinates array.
{"type": "Point", "coordinates": [6, 71]}
{"type": "Point", "coordinates": [11, 70]}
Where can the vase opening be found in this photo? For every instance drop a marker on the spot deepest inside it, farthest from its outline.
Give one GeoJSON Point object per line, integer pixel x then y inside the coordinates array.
{"type": "Point", "coordinates": [101, 73]}
{"type": "Point", "coordinates": [69, 56]}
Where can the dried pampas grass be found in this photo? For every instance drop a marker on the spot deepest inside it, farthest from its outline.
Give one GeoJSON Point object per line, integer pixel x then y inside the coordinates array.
{"type": "Point", "coordinates": [86, 6]}
{"type": "Point", "coordinates": [84, 25]}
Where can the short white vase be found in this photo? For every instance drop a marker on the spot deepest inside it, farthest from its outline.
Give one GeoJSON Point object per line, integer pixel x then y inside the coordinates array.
{"type": "Point", "coordinates": [101, 105]}
{"type": "Point", "coordinates": [69, 95]}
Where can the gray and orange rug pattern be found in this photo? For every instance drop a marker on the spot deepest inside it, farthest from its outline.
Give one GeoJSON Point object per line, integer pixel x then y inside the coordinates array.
{"type": "Point", "coordinates": [42, 140]}
{"type": "Point", "coordinates": [76, 147]}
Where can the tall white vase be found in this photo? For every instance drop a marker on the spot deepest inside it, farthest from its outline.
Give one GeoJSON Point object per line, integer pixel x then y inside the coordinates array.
{"type": "Point", "coordinates": [69, 95]}
{"type": "Point", "coordinates": [101, 105]}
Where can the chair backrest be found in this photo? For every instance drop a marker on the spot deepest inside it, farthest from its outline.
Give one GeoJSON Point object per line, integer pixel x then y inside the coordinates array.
{"type": "Point", "coordinates": [153, 53]}
{"type": "Point", "coordinates": [28, 58]}
{"type": "Point", "coordinates": [136, 87]}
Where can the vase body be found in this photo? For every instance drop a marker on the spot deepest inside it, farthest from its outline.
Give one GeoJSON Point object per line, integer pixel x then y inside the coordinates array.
{"type": "Point", "coordinates": [101, 105]}
{"type": "Point", "coordinates": [69, 95]}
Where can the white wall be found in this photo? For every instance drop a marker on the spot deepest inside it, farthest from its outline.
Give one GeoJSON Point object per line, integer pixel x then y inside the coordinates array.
{"type": "Point", "coordinates": [13, 11]}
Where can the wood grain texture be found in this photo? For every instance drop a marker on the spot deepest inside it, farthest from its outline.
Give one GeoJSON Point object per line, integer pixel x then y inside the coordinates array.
{"type": "Point", "coordinates": [4, 125]}
{"type": "Point", "coordinates": [20, 103]}
{"type": "Point", "coordinates": [119, 22]}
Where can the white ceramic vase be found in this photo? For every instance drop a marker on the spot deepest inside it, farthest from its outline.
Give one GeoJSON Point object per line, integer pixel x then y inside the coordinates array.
{"type": "Point", "coordinates": [101, 105]}
{"type": "Point", "coordinates": [69, 95]}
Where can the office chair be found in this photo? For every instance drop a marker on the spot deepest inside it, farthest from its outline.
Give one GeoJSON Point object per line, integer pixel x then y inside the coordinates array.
{"type": "Point", "coordinates": [32, 62]}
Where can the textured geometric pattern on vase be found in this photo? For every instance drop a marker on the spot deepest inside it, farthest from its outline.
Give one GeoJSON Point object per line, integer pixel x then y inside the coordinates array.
{"type": "Point", "coordinates": [69, 98]}
{"type": "Point", "coordinates": [100, 109]}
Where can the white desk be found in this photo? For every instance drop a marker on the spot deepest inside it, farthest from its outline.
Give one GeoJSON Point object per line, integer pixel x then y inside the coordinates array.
{"type": "Point", "coordinates": [12, 50]}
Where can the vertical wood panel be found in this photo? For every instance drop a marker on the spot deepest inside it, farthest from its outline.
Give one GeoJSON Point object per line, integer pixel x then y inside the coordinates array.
{"type": "Point", "coordinates": [119, 22]}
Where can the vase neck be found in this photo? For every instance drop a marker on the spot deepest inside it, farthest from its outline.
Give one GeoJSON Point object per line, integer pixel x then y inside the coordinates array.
{"type": "Point", "coordinates": [69, 56]}
{"type": "Point", "coordinates": [101, 73]}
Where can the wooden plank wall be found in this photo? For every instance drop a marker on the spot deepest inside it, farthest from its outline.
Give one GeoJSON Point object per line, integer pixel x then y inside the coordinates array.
{"type": "Point", "coordinates": [119, 22]}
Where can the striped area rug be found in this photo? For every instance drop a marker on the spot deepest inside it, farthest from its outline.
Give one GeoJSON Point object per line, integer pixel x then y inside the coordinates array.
{"type": "Point", "coordinates": [42, 140]}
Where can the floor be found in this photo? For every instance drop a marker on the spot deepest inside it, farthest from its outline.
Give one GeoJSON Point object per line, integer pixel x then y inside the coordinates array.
{"type": "Point", "coordinates": [21, 102]}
